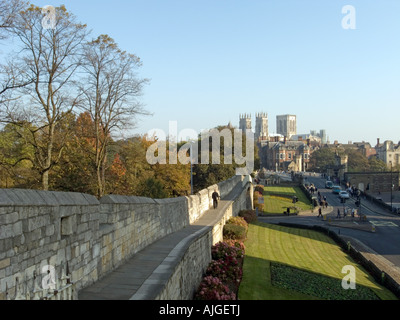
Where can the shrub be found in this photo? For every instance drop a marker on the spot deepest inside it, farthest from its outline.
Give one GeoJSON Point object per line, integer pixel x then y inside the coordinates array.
{"type": "Point", "coordinates": [221, 250]}
{"type": "Point", "coordinates": [212, 288]}
{"type": "Point", "coordinates": [256, 198]}
{"type": "Point", "coordinates": [259, 206]}
{"type": "Point", "coordinates": [256, 195]}
{"type": "Point", "coordinates": [259, 188]}
{"type": "Point", "coordinates": [248, 215]}
{"type": "Point", "coordinates": [239, 221]}
{"type": "Point", "coordinates": [235, 243]}
{"type": "Point", "coordinates": [226, 269]}
{"type": "Point", "coordinates": [232, 231]}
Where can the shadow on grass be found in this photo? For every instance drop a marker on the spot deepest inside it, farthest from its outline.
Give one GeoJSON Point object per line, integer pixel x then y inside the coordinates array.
{"type": "Point", "coordinates": [315, 284]}
{"type": "Point", "coordinates": [256, 283]}
{"type": "Point", "coordinates": [267, 280]}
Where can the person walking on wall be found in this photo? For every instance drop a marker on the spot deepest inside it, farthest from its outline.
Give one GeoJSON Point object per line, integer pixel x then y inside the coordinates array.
{"type": "Point", "coordinates": [215, 197]}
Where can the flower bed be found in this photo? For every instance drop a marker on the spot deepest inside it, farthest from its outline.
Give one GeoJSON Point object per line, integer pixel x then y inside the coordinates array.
{"type": "Point", "coordinates": [323, 287]}
{"type": "Point", "coordinates": [224, 272]}
{"type": "Point", "coordinates": [212, 288]}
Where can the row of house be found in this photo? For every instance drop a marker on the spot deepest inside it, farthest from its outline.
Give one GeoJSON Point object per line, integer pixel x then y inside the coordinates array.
{"type": "Point", "coordinates": [285, 155]}
{"type": "Point", "coordinates": [281, 154]}
{"type": "Point", "coordinates": [288, 151]}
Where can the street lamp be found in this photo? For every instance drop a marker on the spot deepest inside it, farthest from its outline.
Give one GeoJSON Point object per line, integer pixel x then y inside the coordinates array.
{"type": "Point", "coordinates": [391, 187]}
{"type": "Point", "coordinates": [191, 167]}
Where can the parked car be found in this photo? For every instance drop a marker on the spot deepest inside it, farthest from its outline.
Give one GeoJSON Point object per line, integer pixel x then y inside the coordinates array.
{"type": "Point", "coordinates": [344, 195]}
{"type": "Point", "coordinates": [328, 184]}
{"type": "Point", "coordinates": [336, 189]}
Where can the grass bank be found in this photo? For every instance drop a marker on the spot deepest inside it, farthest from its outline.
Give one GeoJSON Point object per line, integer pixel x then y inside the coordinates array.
{"type": "Point", "coordinates": [278, 198]}
{"type": "Point", "coordinates": [313, 257]}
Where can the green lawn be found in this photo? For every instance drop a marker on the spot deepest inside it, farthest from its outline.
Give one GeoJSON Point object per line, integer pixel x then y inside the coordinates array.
{"type": "Point", "coordinates": [278, 198]}
{"type": "Point", "coordinates": [305, 250]}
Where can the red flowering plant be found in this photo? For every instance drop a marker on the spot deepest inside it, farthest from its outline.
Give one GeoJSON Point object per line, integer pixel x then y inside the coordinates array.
{"type": "Point", "coordinates": [259, 188]}
{"type": "Point", "coordinates": [212, 288]}
{"type": "Point", "coordinates": [235, 243]}
{"type": "Point", "coordinates": [227, 270]}
{"type": "Point", "coordinates": [224, 273]}
{"type": "Point", "coordinates": [224, 249]}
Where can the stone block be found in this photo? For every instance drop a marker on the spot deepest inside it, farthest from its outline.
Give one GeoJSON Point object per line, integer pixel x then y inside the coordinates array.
{"type": "Point", "coordinates": [61, 257]}
{"type": "Point", "coordinates": [4, 199]}
{"type": "Point", "coordinates": [9, 218]}
{"type": "Point", "coordinates": [50, 230]}
{"type": "Point", "coordinates": [96, 250]}
{"type": "Point", "coordinates": [5, 263]}
{"type": "Point", "coordinates": [17, 228]}
{"type": "Point", "coordinates": [12, 195]}
{"type": "Point", "coordinates": [68, 225]}
{"type": "Point", "coordinates": [6, 231]}
{"type": "Point", "coordinates": [82, 228]}
{"type": "Point", "coordinates": [37, 222]}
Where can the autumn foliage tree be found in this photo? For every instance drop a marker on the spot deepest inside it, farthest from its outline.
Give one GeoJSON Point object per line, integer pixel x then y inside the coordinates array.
{"type": "Point", "coordinates": [64, 100]}
{"type": "Point", "coordinates": [75, 170]}
{"type": "Point", "coordinates": [48, 59]}
{"type": "Point", "coordinates": [110, 91]}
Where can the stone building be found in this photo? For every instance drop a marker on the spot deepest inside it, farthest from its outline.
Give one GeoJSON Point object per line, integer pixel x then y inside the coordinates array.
{"type": "Point", "coordinates": [373, 182]}
{"type": "Point", "coordinates": [388, 152]}
{"type": "Point", "coordinates": [338, 170]}
{"type": "Point", "coordinates": [261, 126]}
{"type": "Point", "coordinates": [285, 155]}
{"type": "Point", "coordinates": [286, 125]}
{"type": "Point", "coordinates": [245, 122]}
{"type": "Point", "coordinates": [366, 149]}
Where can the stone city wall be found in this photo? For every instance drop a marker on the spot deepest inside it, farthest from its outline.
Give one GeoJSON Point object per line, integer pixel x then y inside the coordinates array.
{"type": "Point", "coordinates": [195, 252]}
{"type": "Point", "coordinates": [41, 228]}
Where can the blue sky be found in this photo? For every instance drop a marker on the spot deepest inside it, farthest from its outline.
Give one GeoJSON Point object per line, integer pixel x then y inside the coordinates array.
{"type": "Point", "coordinates": [210, 60]}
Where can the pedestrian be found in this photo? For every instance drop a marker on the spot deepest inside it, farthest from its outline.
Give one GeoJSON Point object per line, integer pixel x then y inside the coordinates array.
{"type": "Point", "coordinates": [215, 197]}
{"type": "Point", "coordinates": [352, 213]}
{"type": "Point", "coordinates": [338, 213]}
{"type": "Point", "coordinates": [326, 204]}
{"type": "Point", "coordinates": [319, 212]}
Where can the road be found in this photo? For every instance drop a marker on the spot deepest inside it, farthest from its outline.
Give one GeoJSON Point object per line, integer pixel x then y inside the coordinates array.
{"type": "Point", "coordinates": [386, 238]}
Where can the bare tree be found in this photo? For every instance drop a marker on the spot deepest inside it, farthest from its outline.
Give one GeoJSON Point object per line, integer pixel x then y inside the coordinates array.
{"type": "Point", "coordinates": [111, 90]}
{"type": "Point", "coordinates": [48, 60]}
{"type": "Point", "coordinates": [9, 10]}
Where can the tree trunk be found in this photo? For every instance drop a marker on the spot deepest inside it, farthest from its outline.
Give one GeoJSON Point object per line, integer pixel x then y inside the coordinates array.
{"type": "Point", "coordinates": [45, 180]}
{"type": "Point", "coordinates": [100, 191]}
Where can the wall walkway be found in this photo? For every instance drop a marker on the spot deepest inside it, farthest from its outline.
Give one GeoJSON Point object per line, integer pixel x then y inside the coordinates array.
{"type": "Point", "coordinates": [172, 267]}
{"type": "Point", "coordinates": [92, 238]}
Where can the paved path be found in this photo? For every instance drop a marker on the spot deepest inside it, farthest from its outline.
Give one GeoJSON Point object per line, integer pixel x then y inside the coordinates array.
{"type": "Point", "coordinates": [146, 272]}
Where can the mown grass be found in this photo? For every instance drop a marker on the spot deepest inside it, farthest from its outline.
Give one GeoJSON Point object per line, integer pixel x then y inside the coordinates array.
{"type": "Point", "coordinates": [302, 249]}
{"type": "Point", "coordinates": [278, 198]}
